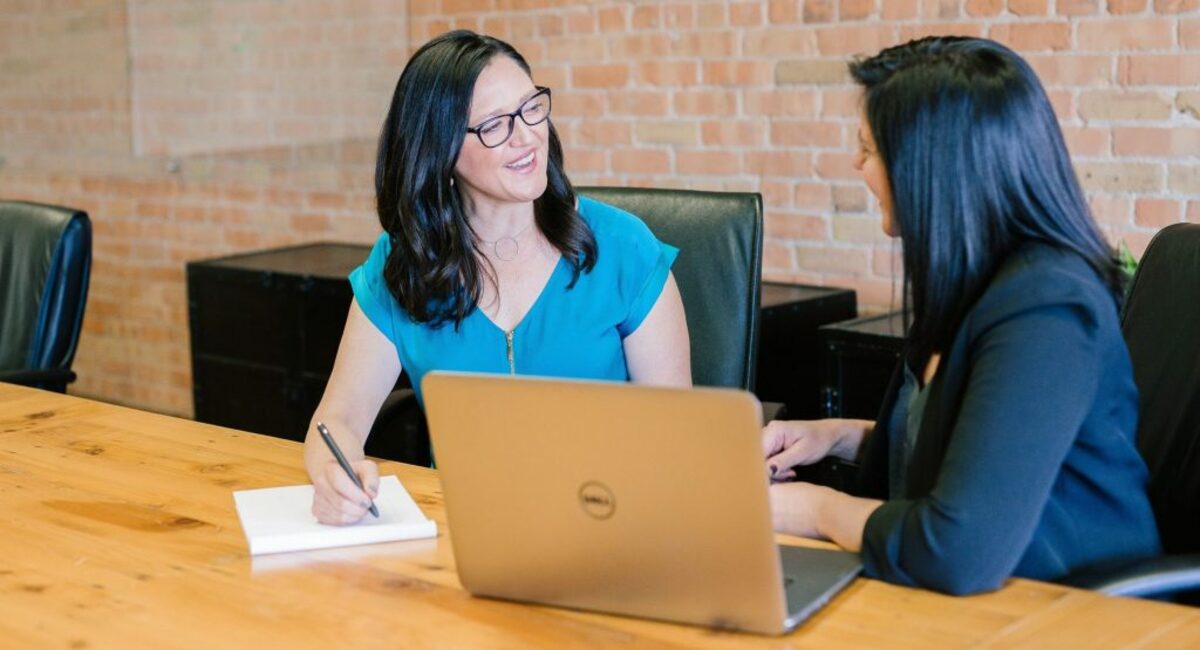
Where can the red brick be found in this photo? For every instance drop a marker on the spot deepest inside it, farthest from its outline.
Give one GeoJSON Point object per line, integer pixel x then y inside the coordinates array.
{"type": "Point", "coordinates": [637, 102]}
{"type": "Point", "coordinates": [777, 256]}
{"type": "Point", "coordinates": [640, 46]}
{"type": "Point", "coordinates": [647, 17]}
{"type": "Point", "coordinates": [1122, 7]}
{"type": "Point", "coordinates": [1122, 105]}
{"type": "Point", "coordinates": [819, 11]}
{"type": "Point", "coordinates": [1156, 213]}
{"type": "Point", "coordinates": [738, 73]}
{"type": "Point", "coordinates": [602, 132]}
{"type": "Point", "coordinates": [1108, 36]}
{"type": "Point", "coordinates": [1087, 141]}
{"type": "Point", "coordinates": [581, 22]}
{"type": "Point", "coordinates": [668, 73]}
{"type": "Point", "coordinates": [813, 194]}
{"type": "Point", "coordinates": [705, 45]}
{"type": "Point", "coordinates": [900, 9]}
{"type": "Point", "coordinates": [1189, 34]}
{"type": "Point", "coordinates": [783, 11]}
{"type": "Point", "coordinates": [984, 8]}
{"type": "Point", "coordinates": [1175, 6]}
{"type": "Point", "coordinates": [856, 39]}
{"type": "Point", "coordinates": [579, 103]}
{"type": "Point", "coordinates": [681, 16]}
{"type": "Point", "coordinates": [640, 161]}
{"type": "Point", "coordinates": [1033, 37]}
{"type": "Point", "coordinates": [855, 9]}
{"type": "Point", "coordinates": [791, 164]}
{"type": "Point", "coordinates": [705, 102]}
{"type": "Point", "coordinates": [1029, 7]}
{"type": "Point", "coordinates": [1161, 70]}
{"type": "Point", "coordinates": [612, 19]}
{"type": "Point", "coordinates": [784, 225]}
{"type": "Point", "coordinates": [707, 162]}
{"type": "Point", "coordinates": [604, 75]}
{"type": "Point", "coordinates": [805, 134]}
{"type": "Point", "coordinates": [711, 15]}
{"type": "Point", "coordinates": [1071, 70]}
{"type": "Point", "coordinates": [776, 194]}
{"type": "Point", "coordinates": [745, 14]}
{"type": "Point", "coordinates": [1193, 211]}
{"type": "Point", "coordinates": [780, 102]}
{"type": "Point", "coordinates": [1078, 7]}
{"type": "Point", "coordinates": [836, 166]}
{"type": "Point", "coordinates": [910, 32]}
{"type": "Point", "coordinates": [1121, 176]}
{"type": "Point", "coordinates": [730, 132]}
{"type": "Point", "coordinates": [775, 42]}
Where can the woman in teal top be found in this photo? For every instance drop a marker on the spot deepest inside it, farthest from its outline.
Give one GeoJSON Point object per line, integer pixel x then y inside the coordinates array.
{"type": "Point", "coordinates": [569, 331]}
{"type": "Point", "coordinates": [488, 261]}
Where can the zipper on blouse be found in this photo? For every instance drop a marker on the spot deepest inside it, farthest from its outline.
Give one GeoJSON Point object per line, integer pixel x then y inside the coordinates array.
{"type": "Point", "coordinates": [512, 362]}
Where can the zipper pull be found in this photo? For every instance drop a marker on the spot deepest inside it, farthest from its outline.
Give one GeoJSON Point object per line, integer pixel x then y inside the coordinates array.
{"type": "Point", "coordinates": [512, 362]}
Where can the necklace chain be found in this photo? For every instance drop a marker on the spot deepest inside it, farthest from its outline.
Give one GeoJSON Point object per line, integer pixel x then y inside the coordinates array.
{"type": "Point", "coordinates": [507, 248]}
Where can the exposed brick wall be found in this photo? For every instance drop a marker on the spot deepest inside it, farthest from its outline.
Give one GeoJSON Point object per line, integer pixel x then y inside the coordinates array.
{"type": "Point", "coordinates": [219, 75]}
{"type": "Point", "coordinates": [746, 95]}
{"type": "Point", "coordinates": [63, 79]}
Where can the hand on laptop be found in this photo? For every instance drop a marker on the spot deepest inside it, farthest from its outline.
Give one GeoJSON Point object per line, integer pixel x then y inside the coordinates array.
{"type": "Point", "coordinates": [336, 500]}
{"type": "Point", "coordinates": [788, 443]}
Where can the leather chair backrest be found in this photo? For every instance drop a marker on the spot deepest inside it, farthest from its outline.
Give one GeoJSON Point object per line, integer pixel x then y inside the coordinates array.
{"type": "Point", "coordinates": [1161, 324]}
{"type": "Point", "coordinates": [719, 271]}
{"type": "Point", "coordinates": [45, 262]}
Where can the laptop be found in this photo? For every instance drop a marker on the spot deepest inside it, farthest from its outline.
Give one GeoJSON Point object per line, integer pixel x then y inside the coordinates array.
{"type": "Point", "coordinates": [612, 497]}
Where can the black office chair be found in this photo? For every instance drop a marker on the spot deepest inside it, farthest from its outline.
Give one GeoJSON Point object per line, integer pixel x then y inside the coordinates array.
{"type": "Point", "coordinates": [1161, 324]}
{"type": "Point", "coordinates": [45, 262]}
{"type": "Point", "coordinates": [719, 273]}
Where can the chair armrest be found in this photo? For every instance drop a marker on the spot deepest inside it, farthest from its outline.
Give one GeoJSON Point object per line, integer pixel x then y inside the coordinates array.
{"type": "Point", "coordinates": [773, 411]}
{"type": "Point", "coordinates": [1151, 577]}
{"type": "Point", "coordinates": [55, 379]}
{"type": "Point", "coordinates": [399, 432]}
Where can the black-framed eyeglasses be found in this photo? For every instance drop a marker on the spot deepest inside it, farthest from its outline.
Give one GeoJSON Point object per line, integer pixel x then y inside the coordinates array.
{"type": "Point", "coordinates": [495, 131]}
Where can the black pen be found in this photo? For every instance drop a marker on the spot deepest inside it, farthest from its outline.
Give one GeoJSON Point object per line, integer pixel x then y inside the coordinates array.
{"type": "Point", "coordinates": [337, 453]}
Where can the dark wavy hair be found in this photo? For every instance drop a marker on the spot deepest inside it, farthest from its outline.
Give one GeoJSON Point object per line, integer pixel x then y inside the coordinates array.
{"type": "Point", "coordinates": [433, 270]}
{"type": "Point", "coordinates": [977, 166]}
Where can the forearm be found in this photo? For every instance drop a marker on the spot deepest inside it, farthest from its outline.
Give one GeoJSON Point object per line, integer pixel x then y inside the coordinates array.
{"type": "Point", "coordinates": [809, 510]}
{"type": "Point", "coordinates": [841, 518]}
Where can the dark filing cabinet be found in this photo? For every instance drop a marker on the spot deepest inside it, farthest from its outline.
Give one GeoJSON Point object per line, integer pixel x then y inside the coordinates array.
{"type": "Point", "coordinates": [789, 359]}
{"type": "Point", "coordinates": [858, 358]}
{"type": "Point", "coordinates": [265, 328]}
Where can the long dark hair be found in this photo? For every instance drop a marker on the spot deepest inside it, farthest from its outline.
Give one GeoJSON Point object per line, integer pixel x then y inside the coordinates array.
{"type": "Point", "coordinates": [432, 270]}
{"type": "Point", "coordinates": [977, 166]}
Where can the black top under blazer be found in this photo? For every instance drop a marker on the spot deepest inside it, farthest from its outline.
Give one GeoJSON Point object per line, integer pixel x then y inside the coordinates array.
{"type": "Point", "coordinates": [1025, 463]}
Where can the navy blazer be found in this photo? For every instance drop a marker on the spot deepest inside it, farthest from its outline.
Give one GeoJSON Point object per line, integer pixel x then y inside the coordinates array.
{"type": "Point", "coordinates": [1025, 463]}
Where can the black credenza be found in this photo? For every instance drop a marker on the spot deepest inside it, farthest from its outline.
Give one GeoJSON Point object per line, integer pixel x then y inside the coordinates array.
{"type": "Point", "coordinates": [858, 357]}
{"type": "Point", "coordinates": [265, 327]}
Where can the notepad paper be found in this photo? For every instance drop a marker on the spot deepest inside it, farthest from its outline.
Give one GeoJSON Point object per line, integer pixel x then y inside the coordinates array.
{"type": "Point", "coordinates": [277, 520]}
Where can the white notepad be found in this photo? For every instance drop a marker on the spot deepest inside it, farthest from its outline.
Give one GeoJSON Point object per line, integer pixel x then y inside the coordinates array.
{"type": "Point", "coordinates": [277, 520]}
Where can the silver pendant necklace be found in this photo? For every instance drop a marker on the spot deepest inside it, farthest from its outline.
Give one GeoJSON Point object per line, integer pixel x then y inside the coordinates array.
{"type": "Point", "coordinates": [507, 247]}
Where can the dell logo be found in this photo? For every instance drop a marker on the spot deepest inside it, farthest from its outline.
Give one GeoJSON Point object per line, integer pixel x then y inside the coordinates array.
{"type": "Point", "coordinates": [597, 500]}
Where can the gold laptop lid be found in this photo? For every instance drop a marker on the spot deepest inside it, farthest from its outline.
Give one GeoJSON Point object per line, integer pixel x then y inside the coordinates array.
{"type": "Point", "coordinates": [606, 496]}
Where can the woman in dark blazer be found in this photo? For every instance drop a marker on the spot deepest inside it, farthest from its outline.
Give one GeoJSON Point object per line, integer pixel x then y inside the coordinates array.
{"type": "Point", "coordinates": [1006, 442]}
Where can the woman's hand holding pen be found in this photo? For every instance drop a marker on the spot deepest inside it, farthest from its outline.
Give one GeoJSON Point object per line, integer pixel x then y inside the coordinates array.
{"type": "Point", "coordinates": [788, 443]}
{"type": "Point", "coordinates": [336, 500]}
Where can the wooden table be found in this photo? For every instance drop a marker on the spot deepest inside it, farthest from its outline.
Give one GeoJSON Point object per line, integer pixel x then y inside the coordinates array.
{"type": "Point", "coordinates": [118, 531]}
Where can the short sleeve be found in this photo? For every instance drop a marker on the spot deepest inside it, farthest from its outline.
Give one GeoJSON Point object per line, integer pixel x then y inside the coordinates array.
{"type": "Point", "coordinates": [370, 291]}
{"type": "Point", "coordinates": [646, 264]}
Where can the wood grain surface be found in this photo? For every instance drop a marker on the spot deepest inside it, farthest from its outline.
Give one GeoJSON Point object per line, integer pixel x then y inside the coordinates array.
{"type": "Point", "coordinates": [119, 531]}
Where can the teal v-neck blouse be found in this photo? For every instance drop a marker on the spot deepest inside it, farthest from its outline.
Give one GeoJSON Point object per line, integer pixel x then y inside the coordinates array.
{"type": "Point", "coordinates": [576, 332]}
